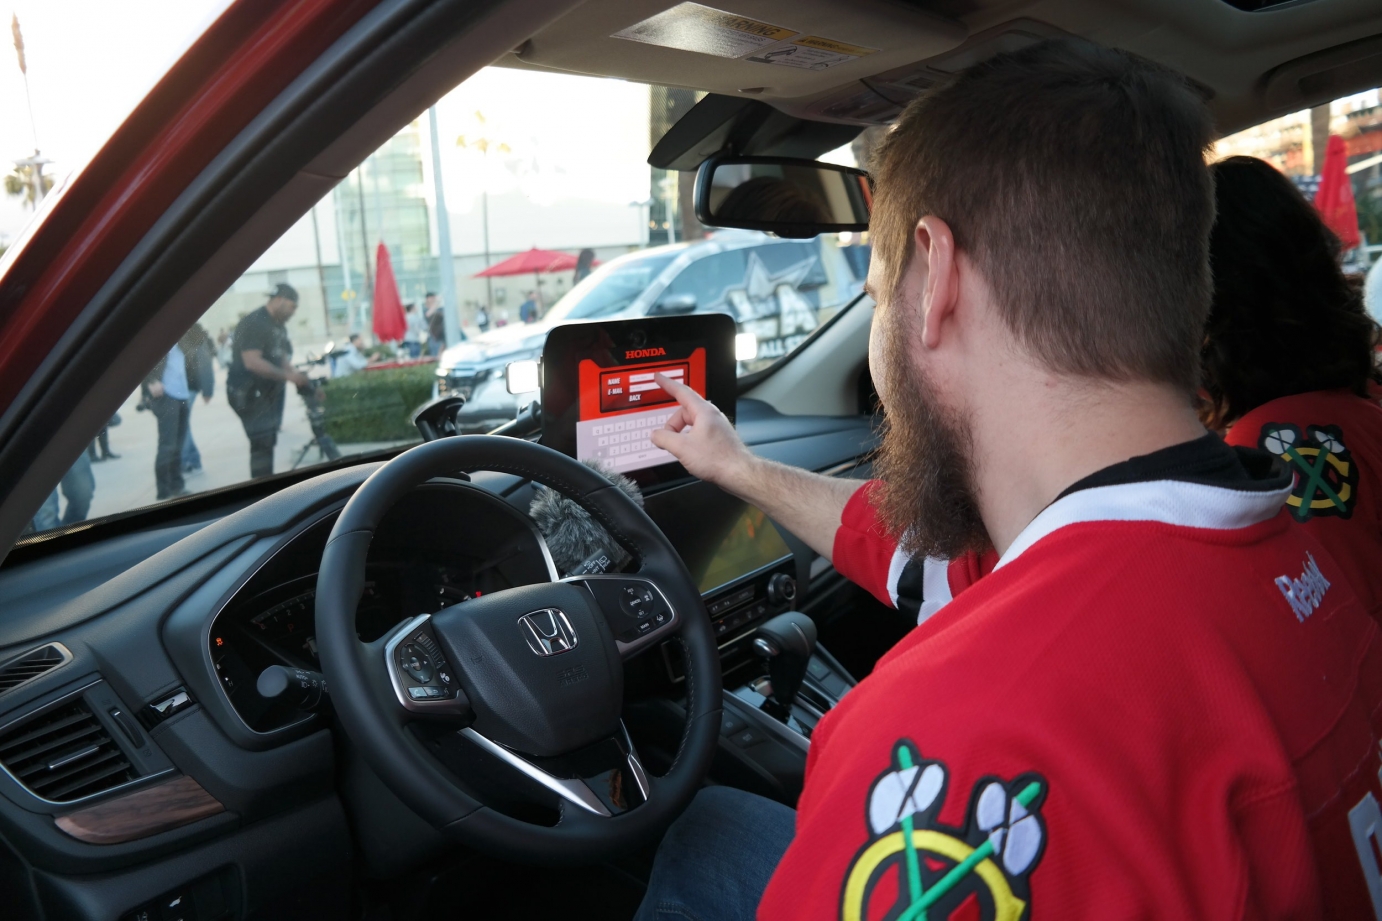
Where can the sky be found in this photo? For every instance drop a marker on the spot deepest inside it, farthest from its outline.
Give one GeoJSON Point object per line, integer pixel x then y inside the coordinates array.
{"type": "Point", "coordinates": [90, 62]}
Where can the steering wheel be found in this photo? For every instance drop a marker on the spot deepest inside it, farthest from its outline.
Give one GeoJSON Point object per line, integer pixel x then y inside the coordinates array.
{"type": "Point", "coordinates": [519, 691]}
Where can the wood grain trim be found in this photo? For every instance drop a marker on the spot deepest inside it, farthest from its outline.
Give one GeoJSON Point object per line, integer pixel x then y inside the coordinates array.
{"type": "Point", "coordinates": [141, 813]}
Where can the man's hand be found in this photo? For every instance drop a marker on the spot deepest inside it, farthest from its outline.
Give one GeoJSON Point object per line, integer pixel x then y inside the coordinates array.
{"type": "Point", "coordinates": [805, 503]}
{"type": "Point", "coordinates": [296, 377]}
{"type": "Point", "coordinates": [700, 436]}
{"type": "Point", "coordinates": [156, 389]}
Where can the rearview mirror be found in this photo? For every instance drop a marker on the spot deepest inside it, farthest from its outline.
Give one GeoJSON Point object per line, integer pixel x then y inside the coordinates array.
{"type": "Point", "coordinates": [791, 198]}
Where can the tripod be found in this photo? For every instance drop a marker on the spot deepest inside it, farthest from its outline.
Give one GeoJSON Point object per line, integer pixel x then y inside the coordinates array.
{"type": "Point", "coordinates": [314, 398]}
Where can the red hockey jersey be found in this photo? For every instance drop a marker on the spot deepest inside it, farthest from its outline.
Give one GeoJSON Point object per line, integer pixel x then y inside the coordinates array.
{"type": "Point", "coordinates": [868, 557]}
{"type": "Point", "coordinates": [1332, 440]}
{"type": "Point", "coordinates": [1160, 704]}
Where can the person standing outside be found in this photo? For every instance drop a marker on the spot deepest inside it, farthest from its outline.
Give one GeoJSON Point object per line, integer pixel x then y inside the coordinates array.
{"type": "Point", "coordinates": [261, 363]}
{"type": "Point", "coordinates": [78, 486]}
{"type": "Point", "coordinates": [201, 379]}
{"type": "Point", "coordinates": [436, 324]}
{"type": "Point", "coordinates": [584, 262]}
{"type": "Point", "coordinates": [418, 329]}
{"type": "Point", "coordinates": [528, 311]}
{"type": "Point", "coordinates": [167, 394]}
{"type": "Point", "coordinates": [482, 318]}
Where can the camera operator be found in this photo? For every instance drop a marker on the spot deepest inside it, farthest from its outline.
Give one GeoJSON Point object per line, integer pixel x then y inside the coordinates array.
{"type": "Point", "coordinates": [261, 357]}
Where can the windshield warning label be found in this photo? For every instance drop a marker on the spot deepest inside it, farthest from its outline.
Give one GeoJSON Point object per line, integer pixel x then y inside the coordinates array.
{"type": "Point", "coordinates": [705, 30]}
{"type": "Point", "coordinates": [693, 27]}
{"type": "Point", "coordinates": [809, 52]}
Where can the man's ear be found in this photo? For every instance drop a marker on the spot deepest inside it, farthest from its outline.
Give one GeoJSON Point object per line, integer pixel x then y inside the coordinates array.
{"type": "Point", "coordinates": [936, 245]}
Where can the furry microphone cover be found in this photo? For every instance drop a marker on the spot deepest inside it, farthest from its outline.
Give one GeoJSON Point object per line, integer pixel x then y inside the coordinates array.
{"type": "Point", "coordinates": [572, 535]}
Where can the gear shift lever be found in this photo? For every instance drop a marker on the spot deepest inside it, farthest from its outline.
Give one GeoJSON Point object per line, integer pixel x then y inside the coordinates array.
{"type": "Point", "coordinates": [787, 642]}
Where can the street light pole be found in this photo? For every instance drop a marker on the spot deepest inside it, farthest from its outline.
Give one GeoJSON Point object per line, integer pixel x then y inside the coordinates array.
{"type": "Point", "coordinates": [446, 263]}
{"type": "Point", "coordinates": [483, 144]}
{"type": "Point", "coordinates": [364, 244]}
{"type": "Point", "coordinates": [347, 290]}
{"type": "Point", "coordinates": [484, 221]}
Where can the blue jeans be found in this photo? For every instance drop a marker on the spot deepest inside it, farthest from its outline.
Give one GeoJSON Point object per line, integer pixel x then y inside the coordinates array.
{"type": "Point", "coordinates": [716, 860]}
{"type": "Point", "coordinates": [191, 457]}
{"type": "Point", "coordinates": [78, 486]}
{"type": "Point", "coordinates": [171, 414]}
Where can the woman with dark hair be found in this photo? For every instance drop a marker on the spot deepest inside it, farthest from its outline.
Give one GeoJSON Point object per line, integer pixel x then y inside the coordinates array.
{"type": "Point", "coordinates": [1288, 358]}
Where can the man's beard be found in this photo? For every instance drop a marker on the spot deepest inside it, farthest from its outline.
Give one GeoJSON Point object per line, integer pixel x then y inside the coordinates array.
{"type": "Point", "coordinates": [928, 501]}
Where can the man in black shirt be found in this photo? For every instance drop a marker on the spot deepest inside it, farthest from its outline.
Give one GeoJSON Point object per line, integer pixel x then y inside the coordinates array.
{"type": "Point", "coordinates": [261, 362]}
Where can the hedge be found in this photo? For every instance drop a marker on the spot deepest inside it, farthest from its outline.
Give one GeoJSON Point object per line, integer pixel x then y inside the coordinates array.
{"type": "Point", "coordinates": [375, 405]}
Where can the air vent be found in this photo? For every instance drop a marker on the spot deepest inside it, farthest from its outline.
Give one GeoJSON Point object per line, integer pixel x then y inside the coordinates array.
{"type": "Point", "coordinates": [32, 664]}
{"type": "Point", "coordinates": [64, 754]}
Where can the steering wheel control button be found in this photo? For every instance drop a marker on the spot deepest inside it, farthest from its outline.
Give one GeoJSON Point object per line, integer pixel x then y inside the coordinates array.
{"type": "Point", "coordinates": [637, 601]}
{"type": "Point", "coordinates": [548, 632]}
{"type": "Point", "coordinates": [422, 679]}
{"type": "Point", "coordinates": [633, 608]}
{"type": "Point", "coordinates": [415, 661]}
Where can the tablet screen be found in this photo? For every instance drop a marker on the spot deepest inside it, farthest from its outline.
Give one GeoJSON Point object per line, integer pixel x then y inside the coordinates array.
{"type": "Point", "coordinates": [600, 399]}
{"type": "Point", "coordinates": [621, 406]}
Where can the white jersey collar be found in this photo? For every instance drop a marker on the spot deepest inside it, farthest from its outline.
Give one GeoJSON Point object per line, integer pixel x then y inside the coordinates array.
{"type": "Point", "coordinates": [1174, 502]}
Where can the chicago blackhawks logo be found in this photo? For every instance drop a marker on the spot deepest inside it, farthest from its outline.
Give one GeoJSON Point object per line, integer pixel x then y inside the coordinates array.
{"type": "Point", "coordinates": [1326, 477]}
{"type": "Point", "coordinates": [914, 869]}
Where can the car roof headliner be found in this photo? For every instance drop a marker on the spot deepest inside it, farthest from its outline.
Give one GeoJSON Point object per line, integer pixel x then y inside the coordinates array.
{"type": "Point", "coordinates": [1252, 65]}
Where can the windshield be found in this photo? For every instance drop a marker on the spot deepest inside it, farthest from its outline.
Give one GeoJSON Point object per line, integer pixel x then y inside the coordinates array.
{"type": "Point", "coordinates": [609, 289]}
{"type": "Point", "coordinates": [450, 251]}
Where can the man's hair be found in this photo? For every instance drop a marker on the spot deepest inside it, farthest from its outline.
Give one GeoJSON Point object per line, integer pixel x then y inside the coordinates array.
{"type": "Point", "coordinates": [1073, 176]}
{"type": "Point", "coordinates": [1285, 320]}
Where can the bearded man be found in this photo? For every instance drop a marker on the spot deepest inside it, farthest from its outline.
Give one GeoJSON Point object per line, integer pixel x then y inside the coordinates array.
{"type": "Point", "coordinates": [1136, 689]}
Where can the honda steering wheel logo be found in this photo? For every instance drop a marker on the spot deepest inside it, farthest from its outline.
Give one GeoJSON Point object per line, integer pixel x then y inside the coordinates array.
{"type": "Point", "coordinates": [548, 632]}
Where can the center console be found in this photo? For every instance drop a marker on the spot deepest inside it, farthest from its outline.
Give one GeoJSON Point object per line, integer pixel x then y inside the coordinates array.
{"type": "Point", "coordinates": [602, 396]}
{"type": "Point", "coordinates": [748, 574]}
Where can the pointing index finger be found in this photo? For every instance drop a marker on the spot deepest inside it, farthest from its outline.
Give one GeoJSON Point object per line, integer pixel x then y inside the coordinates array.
{"type": "Point", "coordinates": [682, 393]}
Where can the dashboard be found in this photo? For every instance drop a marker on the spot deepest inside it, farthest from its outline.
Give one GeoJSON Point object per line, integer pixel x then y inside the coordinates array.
{"type": "Point", "coordinates": [157, 633]}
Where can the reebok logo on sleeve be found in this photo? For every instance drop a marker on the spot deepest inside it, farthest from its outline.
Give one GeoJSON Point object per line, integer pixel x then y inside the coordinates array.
{"type": "Point", "coordinates": [1304, 594]}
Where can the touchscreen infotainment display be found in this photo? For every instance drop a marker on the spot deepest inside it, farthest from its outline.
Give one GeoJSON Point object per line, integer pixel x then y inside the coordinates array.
{"type": "Point", "coordinates": [720, 538]}
{"type": "Point", "coordinates": [621, 407]}
{"type": "Point", "coordinates": [600, 400]}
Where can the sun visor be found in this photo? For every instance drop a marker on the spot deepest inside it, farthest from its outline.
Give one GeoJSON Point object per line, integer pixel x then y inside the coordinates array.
{"type": "Point", "coordinates": [748, 127]}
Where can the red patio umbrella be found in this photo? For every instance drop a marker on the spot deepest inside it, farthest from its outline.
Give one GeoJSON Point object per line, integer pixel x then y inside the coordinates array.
{"type": "Point", "coordinates": [1334, 200]}
{"type": "Point", "coordinates": [389, 323]}
{"type": "Point", "coordinates": [533, 261]}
